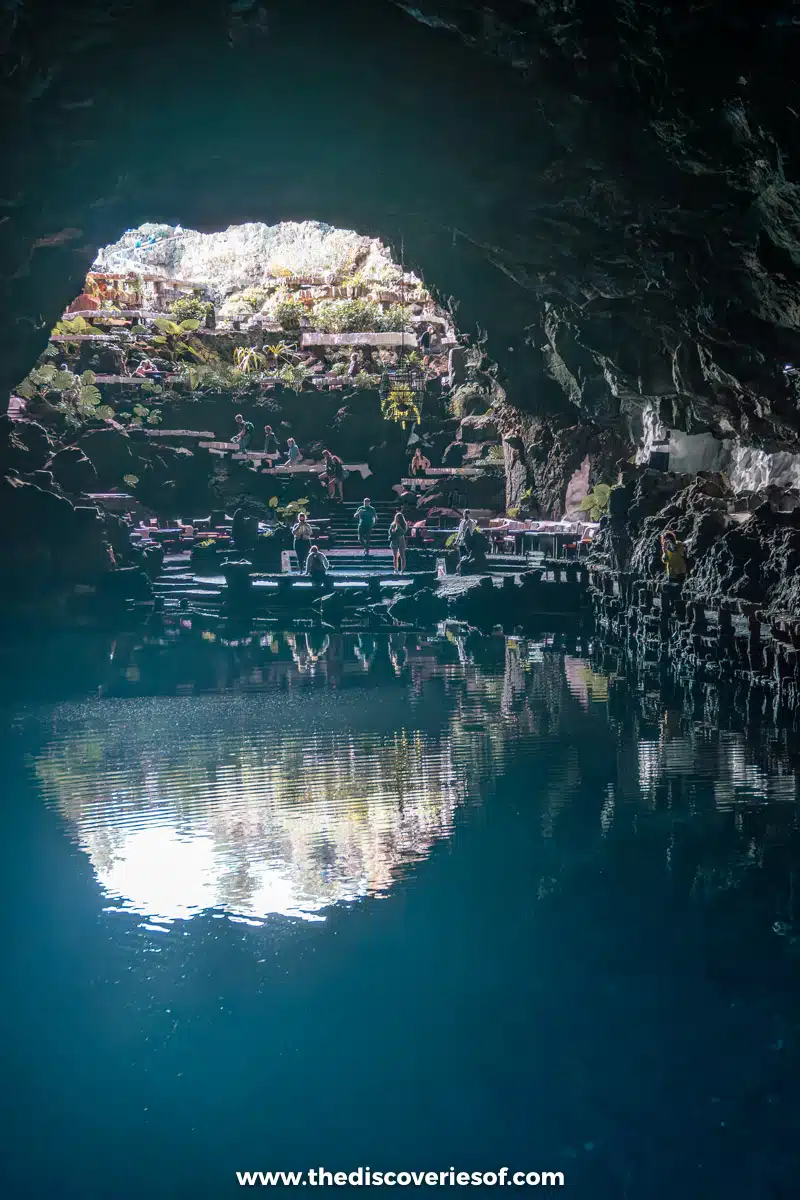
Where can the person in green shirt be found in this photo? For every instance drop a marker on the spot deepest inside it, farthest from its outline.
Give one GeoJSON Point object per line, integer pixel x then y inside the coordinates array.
{"type": "Point", "coordinates": [244, 434]}
{"type": "Point", "coordinates": [366, 517]}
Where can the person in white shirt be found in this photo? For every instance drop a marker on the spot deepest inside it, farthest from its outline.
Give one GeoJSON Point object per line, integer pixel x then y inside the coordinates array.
{"type": "Point", "coordinates": [466, 528]}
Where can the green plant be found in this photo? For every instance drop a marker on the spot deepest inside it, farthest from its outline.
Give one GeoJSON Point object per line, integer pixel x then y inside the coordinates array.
{"type": "Point", "coordinates": [248, 360]}
{"type": "Point", "coordinates": [141, 415]}
{"type": "Point", "coordinates": [596, 503]}
{"type": "Point", "coordinates": [171, 339]}
{"type": "Point", "coordinates": [191, 308]}
{"type": "Point", "coordinates": [77, 325]}
{"type": "Point", "coordinates": [364, 381]}
{"type": "Point", "coordinates": [514, 512]}
{"type": "Point", "coordinates": [75, 395]}
{"type": "Point", "coordinates": [217, 376]}
{"type": "Point", "coordinates": [278, 351]}
{"type": "Point", "coordinates": [396, 319]}
{"type": "Point", "coordinates": [292, 375]}
{"type": "Point", "coordinates": [292, 508]}
{"type": "Point", "coordinates": [347, 316]}
{"type": "Point", "coordinates": [495, 454]}
{"type": "Point", "coordinates": [131, 480]}
{"type": "Point", "coordinates": [401, 405]}
{"type": "Point", "coordinates": [288, 311]}
{"type": "Point", "coordinates": [450, 541]}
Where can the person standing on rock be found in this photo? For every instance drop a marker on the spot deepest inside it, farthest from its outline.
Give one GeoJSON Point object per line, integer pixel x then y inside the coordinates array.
{"type": "Point", "coordinates": [673, 556]}
{"type": "Point", "coordinates": [302, 534]}
{"type": "Point", "coordinates": [354, 366]}
{"type": "Point", "coordinates": [397, 540]}
{"type": "Point", "coordinates": [270, 440]}
{"type": "Point", "coordinates": [244, 434]}
{"type": "Point", "coordinates": [366, 517]}
{"type": "Point", "coordinates": [466, 528]}
{"type": "Point", "coordinates": [317, 565]}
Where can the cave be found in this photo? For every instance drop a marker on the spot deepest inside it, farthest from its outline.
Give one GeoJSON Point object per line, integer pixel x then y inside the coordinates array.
{"type": "Point", "coordinates": [560, 794]}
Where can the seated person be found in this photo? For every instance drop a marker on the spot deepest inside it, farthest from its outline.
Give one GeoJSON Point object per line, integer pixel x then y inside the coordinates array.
{"type": "Point", "coordinates": [146, 369]}
{"type": "Point", "coordinates": [334, 475]}
{"type": "Point", "coordinates": [473, 550]}
{"type": "Point", "coordinates": [419, 463]}
{"type": "Point", "coordinates": [317, 565]}
{"type": "Point", "coordinates": [293, 455]}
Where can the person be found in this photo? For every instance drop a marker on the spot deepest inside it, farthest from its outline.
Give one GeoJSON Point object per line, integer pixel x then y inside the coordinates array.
{"type": "Point", "coordinates": [270, 440]}
{"type": "Point", "coordinates": [317, 565]}
{"type": "Point", "coordinates": [244, 530]}
{"type": "Point", "coordinates": [302, 534]}
{"type": "Point", "coordinates": [354, 366]}
{"type": "Point", "coordinates": [366, 517]}
{"type": "Point", "coordinates": [146, 368]}
{"type": "Point", "coordinates": [334, 470]}
{"type": "Point", "coordinates": [473, 552]}
{"type": "Point", "coordinates": [397, 540]}
{"type": "Point", "coordinates": [419, 463]}
{"type": "Point", "coordinates": [466, 528]}
{"type": "Point", "coordinates": [424, 340]}
{"type": "Point", "coordinates": [673, 556]}
{"type": "Point", "coordinates": [293, 453]}
{"type": "Point", "coordinates": [244, 434]}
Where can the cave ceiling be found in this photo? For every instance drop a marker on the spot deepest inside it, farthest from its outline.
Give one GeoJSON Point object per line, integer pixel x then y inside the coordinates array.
{"type": "Point", "coordinates": [606, 187]}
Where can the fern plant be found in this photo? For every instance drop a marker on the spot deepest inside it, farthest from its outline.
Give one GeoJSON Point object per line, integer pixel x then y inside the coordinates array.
{"type": "Point", "coordinates": [401, 405]}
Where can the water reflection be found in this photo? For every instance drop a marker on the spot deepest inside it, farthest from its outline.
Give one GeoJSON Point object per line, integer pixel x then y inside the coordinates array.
{"type": "Point", "coordinates": [285, 773]}
{"type": "Point", "coordinates": [249, 821]}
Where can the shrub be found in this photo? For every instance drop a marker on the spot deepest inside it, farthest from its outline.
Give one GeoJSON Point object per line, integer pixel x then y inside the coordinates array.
{"type": "Point", "coordinates": [396, 319]}
{"type": "Point", "coordinates": [596, 503]}
{"type": "Point", "coordinates": [288, 311]}
{"type": "Point", "coordinates": [191, 308]}
{"type": "Point", "coordinates": [347, 316]}
{"type": "Point", "coordinates": [292, 375]}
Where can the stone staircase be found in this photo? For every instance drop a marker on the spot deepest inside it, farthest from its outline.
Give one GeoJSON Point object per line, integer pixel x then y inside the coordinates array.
{"type": "Point", "coordinates": [344, 535]}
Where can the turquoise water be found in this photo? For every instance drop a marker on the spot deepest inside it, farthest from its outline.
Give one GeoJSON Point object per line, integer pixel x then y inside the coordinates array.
{"type": "Point", "coordinates": [281, 902]}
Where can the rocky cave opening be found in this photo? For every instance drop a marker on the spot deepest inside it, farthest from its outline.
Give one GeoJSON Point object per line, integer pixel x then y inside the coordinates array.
{"type": "Point", "coordinates": [618, 224]}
